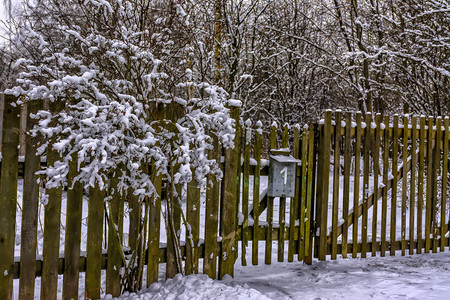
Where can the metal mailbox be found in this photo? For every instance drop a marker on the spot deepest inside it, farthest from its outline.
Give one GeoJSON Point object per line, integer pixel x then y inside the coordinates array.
{"type": "Point", "coordinates": [282, 167]}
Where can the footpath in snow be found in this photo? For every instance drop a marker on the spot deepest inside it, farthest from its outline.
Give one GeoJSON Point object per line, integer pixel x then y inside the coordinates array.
{"type": "Point", "coordinates": [424, 276]}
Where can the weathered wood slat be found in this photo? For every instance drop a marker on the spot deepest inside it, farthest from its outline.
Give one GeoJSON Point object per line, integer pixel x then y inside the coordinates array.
{"type": "Point", "coordinates": [404, 184]}
{"type": "Point", "coordinates": [336, 174]}
{"type": "Point", "coordinates": [229, 205]}
{"type": "Point", "coordinates": [52, 225]}
{"type": "Point", "coordinates": [412, 194]}
{"type": "Point", "coordinates": [73, 232]}
{"type": "Point", "coordinates": [154, 229]}
{"type": "Point", "coordinates": [212, 216]}
{"type": "Point", "coordinates": [296, 212]}
{"type": "Point", "coordinates": [256, 186]}
{"type": "Point", "coordinates": [8, 195]}
{"type": "Point", "coordinates": [309, 213]}
{"type": "Point", "coordinates": [115, 236]}
{"type": "Point", "coordinates": [269, 216]}
{"type": "Point", "coordinates": [366, 173]}
{"type": "Point", "coordinates": [193, 230]}
{"type": "Point", "coordinates": [394, 186]}
{"type": "Point", "coordinates": [356, 181]}
{"type": "Point", "coordinates": [282, 206]}
{"type": "Point", "coordinates": [346, 191]}
{"type": "Point", "coordinates": [246, 192]}
{"type": "Point", "coordinates": [304, 188]}
{"type": "Point", "coordinates": [94, 242]}
{"type": "Point", "coordinates": [30, 209]}
{"type": "Point", "coordinates": [429, 182]}
{"type": "Point", "coordinates": [323, 170]}
{"type": "Point", "coordinates": [376, 171]}
{"type": "Point", "coordinates": [420, 187]}
{"type": "Point", "coordinates": [435, 172]}
{"type": "Point", "coordinates": [385, 191]}
{"type": "Point", "coordinates": [444, 225]}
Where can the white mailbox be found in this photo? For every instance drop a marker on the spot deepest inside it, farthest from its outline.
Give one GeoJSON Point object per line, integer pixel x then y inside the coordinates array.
{"type": "Point", "coordinates": [282, 169]}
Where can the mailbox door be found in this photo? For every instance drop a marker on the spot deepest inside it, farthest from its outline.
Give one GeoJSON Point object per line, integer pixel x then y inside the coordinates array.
{"type": "Point", "coordinates": [281, 179]}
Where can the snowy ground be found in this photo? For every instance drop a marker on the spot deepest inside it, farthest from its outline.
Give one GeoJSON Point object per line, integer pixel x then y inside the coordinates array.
{"type": "Point", "coordinates": [424, 276]}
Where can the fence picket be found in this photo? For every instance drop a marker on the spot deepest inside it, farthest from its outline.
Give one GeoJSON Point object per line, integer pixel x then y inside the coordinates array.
{"type": "Point", "coordinates": [429, 196]}
{"type": "Point", "coordinates": [394, 186]}
{"type": "Point", "coordinates": [269, 217]}
{"type": "Point", "coordinates": [412, 194]}
{"type": "Point", "coordinates": [29, 209]}
{"type": "Point", "coordinates": [385, 191]}
{"type": "Point", "coordinates": [435, 170]}
{"type": "Point", "coordinates": [366, 173]}
{"type": "Point", "coordinates": [309, 192]}
{"type": "Point", "coordinates": [376, 171]}
{"type": "Point", "coordinates": [154, 228]}
{"type": "Point", "coordinates": [193, 230]}
{"type": "Point", "coordinates": [115, 237]}
{"type": "Point", "coordinates": [323, 169]}
{"type": "Point", "coordinates": [420, 187]}
{"type": "Point", "coordinates": [303, 200]}
{"type": "Point", "coordinates": [336, 173]}
{"type": "Point", "coordinates": [229, 204]}
{"type": "Point", "coordinates": [282, 207]}
{"type": "Point", "coordinates": [295, 210]}
{"type": "Point", "coordinates": [404, 182]}
{"type": "Point", "coordinates": [245, 191]}
{"type": "Point", "coordinates": [73, 232]}
{"type": "Point", "coordinates": [356, 184]}
{"type": "Point", "coordinates": [256, 186]}
{"type": "Point", "coordinates": [94, 242]}
{"type": "Point", "coordinates": [346, 191]}
{"type": "Point", "coordinates": [444, 226]}
{"type": "Point", "coordinates": [52, 225]}
{"type": "Point", "coordinates": [8, 195]}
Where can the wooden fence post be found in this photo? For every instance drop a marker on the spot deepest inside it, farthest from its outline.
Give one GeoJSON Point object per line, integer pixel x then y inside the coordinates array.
{"type": "Point", "coordinates": [323, 171]}
{"type": "Point", "coordinates": [229, 203]}
{"type": "Point", "coordinates": [8, 194]}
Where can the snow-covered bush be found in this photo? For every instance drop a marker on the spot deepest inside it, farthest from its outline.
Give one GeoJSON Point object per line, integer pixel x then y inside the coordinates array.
{"type": "Point", "coordinates": [130, 92]}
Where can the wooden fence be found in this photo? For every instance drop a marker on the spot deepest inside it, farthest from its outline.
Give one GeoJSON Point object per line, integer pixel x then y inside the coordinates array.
{"type": "Point", "coordinates": [330, 213]}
